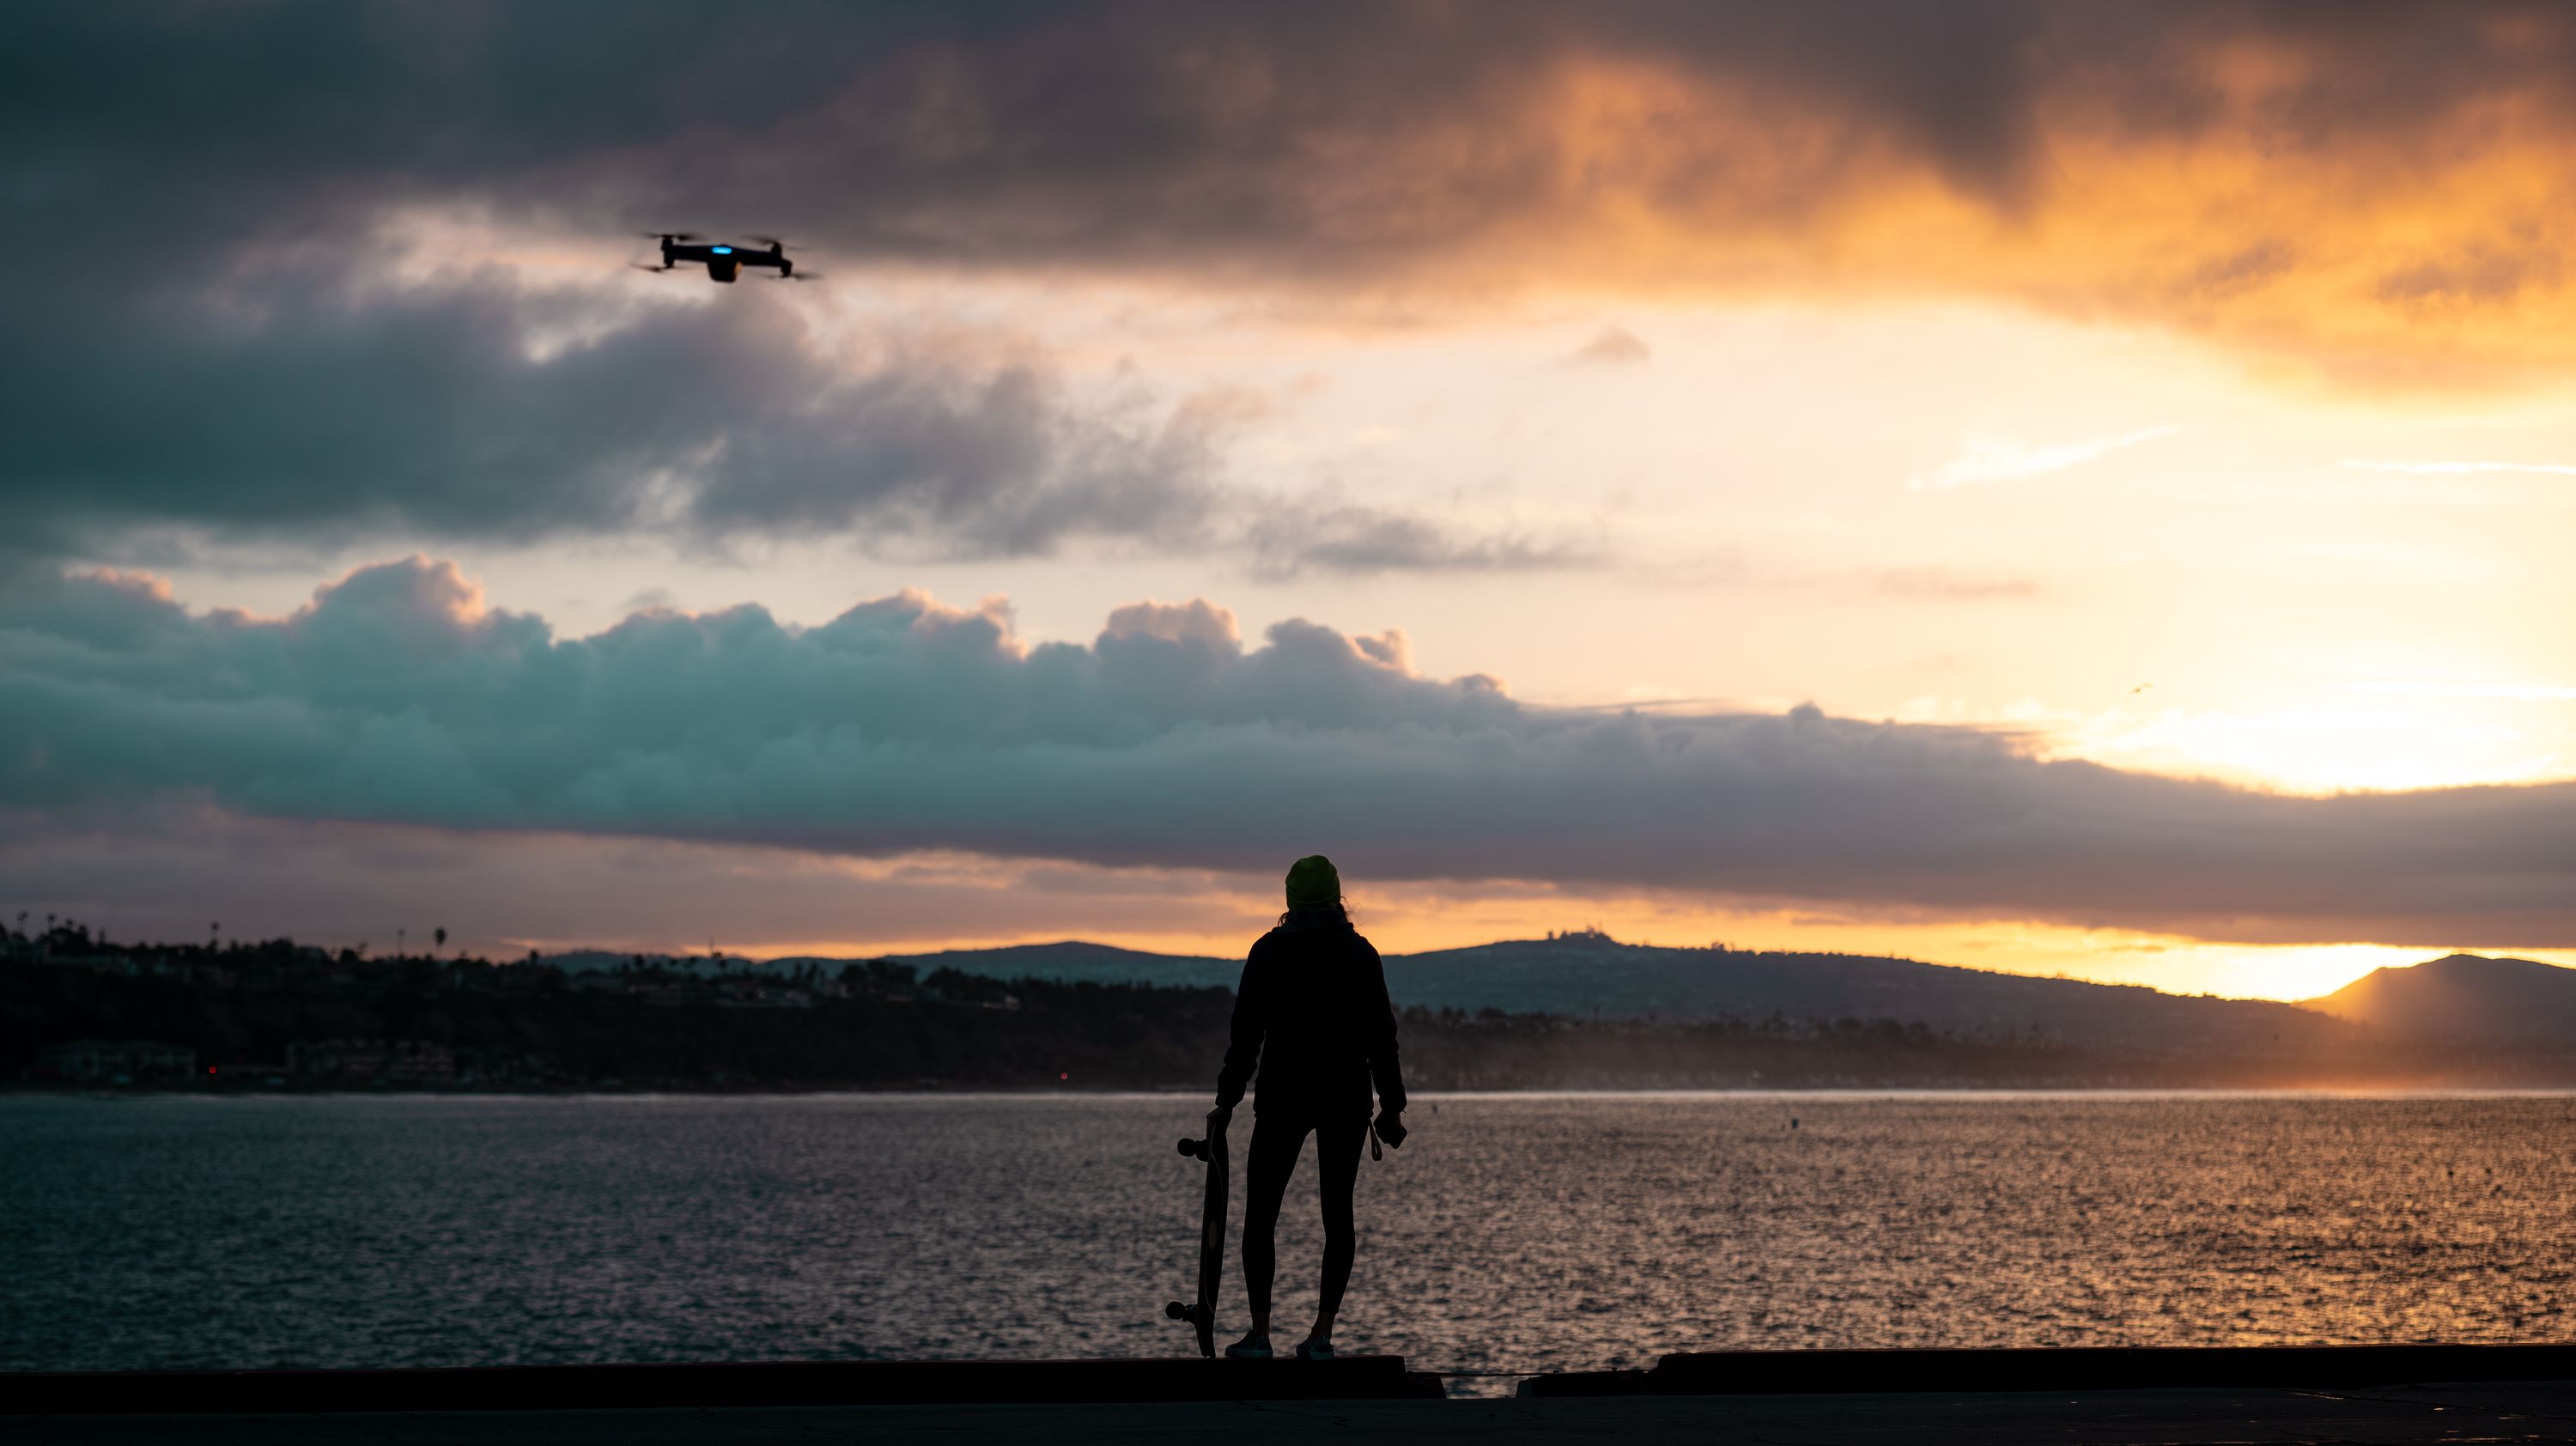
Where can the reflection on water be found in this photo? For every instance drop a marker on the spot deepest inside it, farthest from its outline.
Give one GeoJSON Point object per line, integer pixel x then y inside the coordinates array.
{"type": "Point", "coordinates": [1522, 1233]}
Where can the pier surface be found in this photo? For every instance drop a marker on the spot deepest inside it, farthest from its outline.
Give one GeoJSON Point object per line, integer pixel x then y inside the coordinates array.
{"type": "Point", "coordinates": [2399, 1395]}
{"type": "Point", "coordinates": [2402, 1416]}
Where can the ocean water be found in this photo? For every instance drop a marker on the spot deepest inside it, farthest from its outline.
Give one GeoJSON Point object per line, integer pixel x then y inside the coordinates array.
{"type": "Point", "coordinates": [1512, 1233]}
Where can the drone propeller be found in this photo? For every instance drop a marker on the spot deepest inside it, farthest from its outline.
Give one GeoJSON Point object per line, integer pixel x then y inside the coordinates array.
{"type": "Point", "coordinates": [640, 266]}
{"type": "Point", "coordinates": [768, 241]}
{"type": "Point", "coordinates": [672, 235]}
{"type": "Point", "coordinates": [798, 276]}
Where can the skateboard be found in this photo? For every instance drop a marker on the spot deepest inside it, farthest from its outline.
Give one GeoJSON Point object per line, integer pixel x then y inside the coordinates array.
{"type": "Point", "coordinates": [1202, 1314]}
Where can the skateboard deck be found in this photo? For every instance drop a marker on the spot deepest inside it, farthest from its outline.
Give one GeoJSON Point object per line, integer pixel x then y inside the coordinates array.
{"type": "Point", "coordinates": [1201, 1313]}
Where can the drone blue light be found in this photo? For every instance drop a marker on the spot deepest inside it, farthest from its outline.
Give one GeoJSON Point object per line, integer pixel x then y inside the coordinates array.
{"type": "Point", "coordinates": [724, 250]}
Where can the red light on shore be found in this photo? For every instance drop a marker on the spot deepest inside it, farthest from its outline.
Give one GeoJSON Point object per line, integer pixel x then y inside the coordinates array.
{"type": "Point", "coordinates": [210, 1069]}
{"type": "Point", "coordinates": [1062, 1074]}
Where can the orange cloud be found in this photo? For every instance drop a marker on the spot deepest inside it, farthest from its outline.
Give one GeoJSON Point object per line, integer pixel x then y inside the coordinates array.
{"type": "Point", "coordinates": [2375, 197]}
{"type": "Point", "coordinates": [2429, 256]}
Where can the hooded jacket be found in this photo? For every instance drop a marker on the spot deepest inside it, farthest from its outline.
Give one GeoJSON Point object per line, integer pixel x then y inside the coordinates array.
{"type": "Point", "coordinates": [1313, 1015]}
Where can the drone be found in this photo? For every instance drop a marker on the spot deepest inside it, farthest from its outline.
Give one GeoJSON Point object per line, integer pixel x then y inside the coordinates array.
{"type": "Point", "coordinates": [724, 263]}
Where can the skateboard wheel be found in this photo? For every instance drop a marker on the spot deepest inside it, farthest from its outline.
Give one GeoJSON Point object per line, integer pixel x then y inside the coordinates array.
{"type": "Point", "coordinates": [1195, 1149]}
{"type": "Point", "coordinates": [1176, 1311]}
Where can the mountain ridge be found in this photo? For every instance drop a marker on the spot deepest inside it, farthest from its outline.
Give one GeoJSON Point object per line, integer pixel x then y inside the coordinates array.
{"type": "Point", "coordinates": [1588, 974]}
{"type": "Point", "coordinates": [2465, 996]}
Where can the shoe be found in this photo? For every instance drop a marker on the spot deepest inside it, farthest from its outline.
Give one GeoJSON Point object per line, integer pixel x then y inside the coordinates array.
{"type": "Point", "coordinates": [1311, 1349]}
{"type": "Point", "coordinates": [1250, 1348]}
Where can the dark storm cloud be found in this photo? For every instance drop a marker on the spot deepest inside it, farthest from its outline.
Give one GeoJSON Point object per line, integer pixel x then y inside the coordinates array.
{"type": "Point", "coordinates": [1217, 139]}
{"type": "Point", "coordinates": [398, 696]}
{"type": "Point", "coordinates": [472, 407]}
{"type": "Point", "coordinates": [425, 409]}
{"type": "Point", "coordinates": [1073, 131]}
{"type": "Point", "coordinates": [1306, 137]}
{"type": "Point", "coordinates": [1082, 132]}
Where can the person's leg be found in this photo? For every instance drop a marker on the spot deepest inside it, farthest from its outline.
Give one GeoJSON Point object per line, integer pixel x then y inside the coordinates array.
{"type": "Point", "coordinates": [1268, 1162]}
{"type": "Point", "coordinates": [1337, 1157]}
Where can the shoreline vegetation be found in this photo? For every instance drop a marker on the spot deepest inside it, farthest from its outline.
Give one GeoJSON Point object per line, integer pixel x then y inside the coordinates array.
{"type": "Point", "coordinates": [76, 1012]}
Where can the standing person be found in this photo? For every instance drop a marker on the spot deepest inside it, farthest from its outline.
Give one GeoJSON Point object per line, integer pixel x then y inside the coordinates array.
{"type": "Point", "coordinates": [1312, 1013]}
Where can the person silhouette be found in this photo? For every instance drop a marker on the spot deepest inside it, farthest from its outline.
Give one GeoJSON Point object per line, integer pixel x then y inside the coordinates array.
{"type": "Point", "coordinates": [1312, 1013]}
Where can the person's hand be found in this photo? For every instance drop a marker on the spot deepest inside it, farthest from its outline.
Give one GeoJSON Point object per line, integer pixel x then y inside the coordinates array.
{"type": "Point", "coordinates": [1390, 1128]}
{"type": "Point", "coordinates": [1220, 1117]}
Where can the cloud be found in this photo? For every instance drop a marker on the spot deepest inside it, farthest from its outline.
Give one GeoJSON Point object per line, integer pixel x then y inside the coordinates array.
{"type": "Point", "coordinates": [400, 695]}
{"type": "Point", "coordinates": [312, 403]}
{"type": "Point", "coordinates": [1299, 535]}
{"type": "Point", "coordinates": [2375, 188]}
{"type": "Point", "coordinates": [426, 410]}
{"type": "Point", "coordinates": [2007, 459]}
{"type": "Point", "coordinates": [1614, 347]}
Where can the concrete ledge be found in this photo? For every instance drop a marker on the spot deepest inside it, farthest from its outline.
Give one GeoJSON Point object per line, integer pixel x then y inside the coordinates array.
{"type": "Point", "coordinates": [776, 1384]}
{"type": "Point", "coordinates": [2432, 1416]}
{"type": "Point", "coordinates": [2082, 1368]}
{"type": "Point", "coordinates": [758, 1383]}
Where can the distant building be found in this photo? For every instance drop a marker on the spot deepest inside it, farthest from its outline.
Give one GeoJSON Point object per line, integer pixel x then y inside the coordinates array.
{"type": "Point", "coordinates": [112, 1061]}
{"type": "Point", "coordinates": [371, 1062]}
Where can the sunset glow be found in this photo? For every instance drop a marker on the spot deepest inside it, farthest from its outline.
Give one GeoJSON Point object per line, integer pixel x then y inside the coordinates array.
{"type": "Point", "coordinates": [2100, 510]}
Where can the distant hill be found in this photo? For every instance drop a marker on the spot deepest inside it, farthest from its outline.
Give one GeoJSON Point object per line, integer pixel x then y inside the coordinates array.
{"type": "Point", "coordinates": [1582, 974]}
{"type": "Point", "coordinates": [2462, 996]}
{"type": "Point", "coordinates": [1577, 974]}
{"type": "Point", "coordinates": [276, 1020]}
{"type": "Point", "coordinates": [1073, 961]}
{"type": "Point", "coordinates": [1067, 961]}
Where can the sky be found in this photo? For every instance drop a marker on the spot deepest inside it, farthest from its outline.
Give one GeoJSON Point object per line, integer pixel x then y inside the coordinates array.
{"type": "Point", "coordinates": [2062, 489]}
